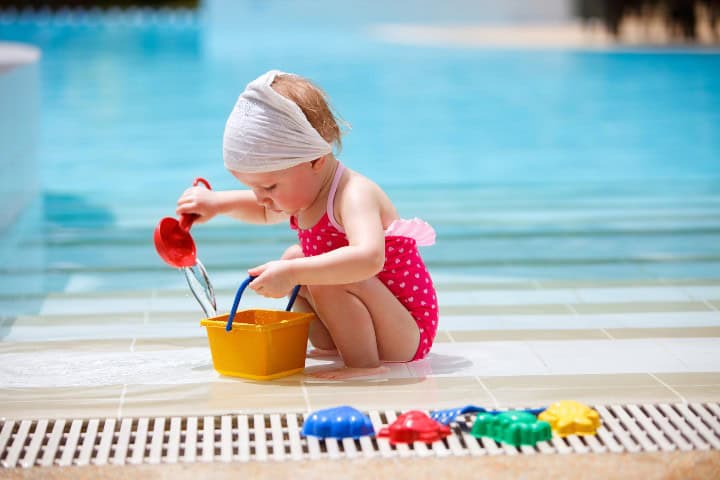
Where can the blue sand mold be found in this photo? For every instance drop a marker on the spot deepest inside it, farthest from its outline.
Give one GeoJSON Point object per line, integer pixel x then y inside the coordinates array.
{"type": "Point", "coordinates": [338, 422]}
{"type": "Point", "coordinates": [447, 416]}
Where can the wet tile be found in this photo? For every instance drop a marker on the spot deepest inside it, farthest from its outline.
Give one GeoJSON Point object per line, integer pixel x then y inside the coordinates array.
{"type": "Point", "coordinates": [535, 334]}
{"type": "Point", "coordinates": [602, 283]}
{"type": "Point", "coordinates": [395, 371]}
{"type": "Point", "coordinates": [629, 294]}
{"type": "Point", "coordinates": [183, 304]}
{"type": "Point", "coordinates": [419, 385]}
{"type": "Point", "coordinates": [101, 345]}
{"type": "Point", "coordinates": [21, 306]}
{"type": "Point", "coordinates": [174, 329]}
{"type": "Point", "coordinates": [508, 297]}
{"type": "Point", "coordinates": [504, 309]}
{"type": "Point", "coordinates": [233, 396]}
{"type": "Point", "coordinates": [190, 317]}
{"type": "Point", "coordinates": [699, 393]}
{"type": "Point", "coordinates": [606, 356]}
{"type": "Point", "coordinates": [690, 378]}
{"type": "Point", "coordinates": [153, 344]}
{"type": "Point", "coordinates": [680, 332]}
{"type": "Point", "coordinates": [60, 402]}
{"type": "Point", "coordinates": [637, 307]}
{"type": "Point", "coordinates": [80, 319]}
{"type": "Point", "coordinates": [424, 397]}
{"type": "Point", "coordinates": [479, 358]}
{"type": "Point", "coordinates": [514, 322]}
{"type": "Point", "coordinates": [588, 395]}
{"type": "Point", "coordinates": [67, 368]}
{"type": "Point", "coordinates": [96, 330]}
{"type": "Point", "coordinates": [651, 320]}
{"type": "Point", "coordinates": [442, 336]}
{"type": "Point", "coordinates": [83, 328]}
{"type": "Point", "coordinates": [101, 295]}
{"type": "Point", "coordinates": [99, 306]}
{"type": "Point", "coordinates": [698, 270]}
{"type": "Point", "coordinates": [452, 284]}
{"type": "Point", "coordinates": [704, 292]}
{"type": "Point", "coordinates": [590, 382]}
{"type": "Point", "coordinates": [698, 354]}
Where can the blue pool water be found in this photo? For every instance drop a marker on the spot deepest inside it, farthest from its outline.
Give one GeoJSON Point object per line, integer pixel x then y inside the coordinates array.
{"type": "Point", "coordinates": [532, 164]}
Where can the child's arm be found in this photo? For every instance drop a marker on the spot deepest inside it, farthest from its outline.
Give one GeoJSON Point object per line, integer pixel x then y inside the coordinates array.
{"type": "Point", "coordinates": [240, 204]}
{"type": "Point", "coordinates": [359, 208]}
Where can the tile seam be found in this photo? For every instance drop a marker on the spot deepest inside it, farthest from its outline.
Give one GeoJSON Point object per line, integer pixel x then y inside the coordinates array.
{"type": "Point", "coordinates": [538, 356]}
{"type": "Point", "coordinates": [306, 396]}
{"type": "Point", "coordinates": [675, 392]}
{"type": "Point", "coordinates": [603, 330]}
{"type": "Point", "coordinates": [710, 305]}
{"type": "Point", "coordinates": [122, 400]}
{"type": "Point", "coordinates": [495, 402]}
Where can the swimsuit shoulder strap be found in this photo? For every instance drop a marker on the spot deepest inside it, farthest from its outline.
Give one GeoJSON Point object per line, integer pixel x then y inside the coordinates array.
{"type": "Point", "coordinates": [331, 196]}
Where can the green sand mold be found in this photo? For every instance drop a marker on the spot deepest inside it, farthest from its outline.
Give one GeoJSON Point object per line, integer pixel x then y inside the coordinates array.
{"type": "Point", "coordinates": [514, 427]}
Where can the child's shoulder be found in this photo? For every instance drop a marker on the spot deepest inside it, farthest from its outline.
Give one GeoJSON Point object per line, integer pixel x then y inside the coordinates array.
{"type": "Point", "coordinates": [358, 189]}
{"type": "Point", "coordinates": [358, 184]}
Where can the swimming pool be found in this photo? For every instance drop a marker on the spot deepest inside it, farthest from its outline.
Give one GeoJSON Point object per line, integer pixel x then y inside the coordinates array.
{"type": "Point", "coordinates": [575, 194]}
{"type": "Point", "coordinates": [532, 164]}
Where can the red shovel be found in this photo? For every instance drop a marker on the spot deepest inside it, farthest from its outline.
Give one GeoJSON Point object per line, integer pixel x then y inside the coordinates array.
{"type": "Point", "coordinates": [172, 238]}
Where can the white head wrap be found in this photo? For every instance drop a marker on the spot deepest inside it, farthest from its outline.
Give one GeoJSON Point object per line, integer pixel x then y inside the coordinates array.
{"type": "Point", "coordinates": [267, 132]}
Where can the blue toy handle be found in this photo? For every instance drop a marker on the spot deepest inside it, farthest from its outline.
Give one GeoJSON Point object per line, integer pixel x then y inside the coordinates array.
{"type": "Point", "coordinates": [239, 293]}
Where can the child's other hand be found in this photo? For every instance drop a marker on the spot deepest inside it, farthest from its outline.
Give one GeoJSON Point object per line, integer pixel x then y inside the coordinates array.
{"type": "Point", "coordinates": [199, 201]}
{"type": "Point", "coordinates": [273, 280]}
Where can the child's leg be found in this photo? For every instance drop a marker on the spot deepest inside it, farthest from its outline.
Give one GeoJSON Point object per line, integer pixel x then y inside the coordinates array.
{"type": "Point", "coordinates": [367, 325]}
{"type": "Point", "coordinates": [319, 336]}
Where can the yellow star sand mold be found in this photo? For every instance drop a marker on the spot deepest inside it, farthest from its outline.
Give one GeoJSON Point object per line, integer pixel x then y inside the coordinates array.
{"type": "Point", "coordinates": [568, 417]}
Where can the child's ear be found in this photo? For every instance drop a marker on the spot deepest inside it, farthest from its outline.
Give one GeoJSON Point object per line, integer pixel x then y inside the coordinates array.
{"type": "Point", "coordinates": [318, 163]}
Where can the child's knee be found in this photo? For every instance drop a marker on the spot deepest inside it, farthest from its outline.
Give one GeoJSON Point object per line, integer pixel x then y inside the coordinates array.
{"type": "Point", "coordinates": [320, 336]}
{"type": "Point", "coordinates": [322, 293]}
{"type": "Point", "coordinates": [332, 291]}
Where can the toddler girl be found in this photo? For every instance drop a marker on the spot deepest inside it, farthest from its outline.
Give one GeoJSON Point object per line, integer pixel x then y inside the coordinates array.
{"type": "Point", "coordinates": [357, 260]}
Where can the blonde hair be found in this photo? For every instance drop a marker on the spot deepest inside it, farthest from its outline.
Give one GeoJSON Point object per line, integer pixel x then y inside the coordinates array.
{"type": "Point", "coordinates": [314, 104]}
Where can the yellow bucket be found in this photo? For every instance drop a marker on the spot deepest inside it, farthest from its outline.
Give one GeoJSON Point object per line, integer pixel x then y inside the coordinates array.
{"type": "Point", "coordinates": [258, 344]}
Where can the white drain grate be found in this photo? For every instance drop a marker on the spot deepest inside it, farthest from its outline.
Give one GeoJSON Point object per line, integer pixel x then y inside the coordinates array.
{"type": "Point", "coordinates": [262, 437]}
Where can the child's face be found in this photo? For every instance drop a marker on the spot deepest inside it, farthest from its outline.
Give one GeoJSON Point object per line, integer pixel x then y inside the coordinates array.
{"type": "Point", "coordinates": [289, 191]}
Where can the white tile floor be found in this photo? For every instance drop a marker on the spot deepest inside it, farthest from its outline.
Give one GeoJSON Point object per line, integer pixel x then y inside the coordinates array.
{"type": "Point", "coordinates": [489, 297]}
{"type": "Point", "coordinates": [64, 366]}
{"type": "Point", "coordinates": [143, 353]}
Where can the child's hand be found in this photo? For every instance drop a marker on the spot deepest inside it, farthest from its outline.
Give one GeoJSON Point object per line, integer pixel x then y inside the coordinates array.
{"type": "Point", "coordinates": [199, 201]}
{"type": "Point", "coordinates": [273, 280]}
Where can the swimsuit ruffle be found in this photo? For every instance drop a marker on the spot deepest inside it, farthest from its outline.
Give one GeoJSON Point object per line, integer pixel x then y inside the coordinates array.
{"type": "Point", "coordinates": [415, 228]}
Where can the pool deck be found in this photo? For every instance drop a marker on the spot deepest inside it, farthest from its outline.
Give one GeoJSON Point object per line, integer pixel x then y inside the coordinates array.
{"type": "Point", "coordinates": [509, 345]}
{"type": "Point", "coordinates": [13, 55]}
{"type": "Point", "coordinates": [651, 35]}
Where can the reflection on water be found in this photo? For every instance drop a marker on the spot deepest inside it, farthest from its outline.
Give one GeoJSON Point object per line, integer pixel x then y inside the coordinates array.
{"type": "Point", "coordinates": [201, 288]}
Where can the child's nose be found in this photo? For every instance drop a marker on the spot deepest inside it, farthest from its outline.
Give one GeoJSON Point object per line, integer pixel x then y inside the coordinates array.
{"type": "Point", "coordinates": [263, 199]}
{"type": "Point", "coordinates": [260, 197]}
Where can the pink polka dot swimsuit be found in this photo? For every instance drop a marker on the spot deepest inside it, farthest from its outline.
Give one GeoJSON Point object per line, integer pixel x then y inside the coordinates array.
{"type": "Point", "coordinates": [404, 272]}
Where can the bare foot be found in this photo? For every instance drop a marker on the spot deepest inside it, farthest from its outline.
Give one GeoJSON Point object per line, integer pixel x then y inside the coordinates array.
{"type": "Point", "coordinates": [320, 353]}
{"type": "Point", "coordinates": [347, 372]}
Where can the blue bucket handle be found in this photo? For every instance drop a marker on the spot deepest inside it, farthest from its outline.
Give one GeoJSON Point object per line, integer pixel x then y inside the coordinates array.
{"type": "Point", "coordinates": [239, 293]}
